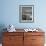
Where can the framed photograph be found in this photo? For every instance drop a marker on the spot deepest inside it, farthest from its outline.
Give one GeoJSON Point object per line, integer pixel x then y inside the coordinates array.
{"type": "Point", "coordinates": [26, 13]}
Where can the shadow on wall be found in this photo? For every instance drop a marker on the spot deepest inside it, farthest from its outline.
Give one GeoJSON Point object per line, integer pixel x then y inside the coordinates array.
{"type": "Point", "coordinates": [2, 26]}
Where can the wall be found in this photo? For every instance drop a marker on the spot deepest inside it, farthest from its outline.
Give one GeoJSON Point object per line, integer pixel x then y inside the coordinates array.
{"type": "Point", "coordinates": [9, 13]}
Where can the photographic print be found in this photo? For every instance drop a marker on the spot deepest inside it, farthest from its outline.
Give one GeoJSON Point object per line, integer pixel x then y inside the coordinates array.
{"type": "Point", "coordinates": [26, 13]}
